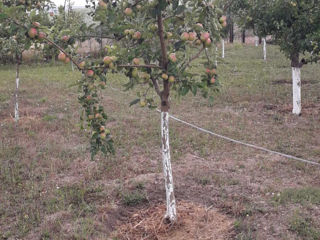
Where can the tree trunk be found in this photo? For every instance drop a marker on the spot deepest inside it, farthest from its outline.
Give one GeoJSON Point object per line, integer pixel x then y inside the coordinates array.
{"type": "Point", "coordinates": [16, 104]}
{"type": "Point", "coordinates": [296, 84]}
{"type": "Point", "coordinates": [222, 43]}
{"type": "Point", "coordinates": [72, 66]}
{"type": "Point", "coordinates": [243, 36]}
{"type": "Point", "coordinates": [260, 40]}
{"type": "Point", "coordinates": [264, 49]}
{"type": "Point", "coordinates": [256, 41]}
{"type": "Point", "coordinates": [171, 213]}
{"type": "Point", "coordinates": [231, 30]}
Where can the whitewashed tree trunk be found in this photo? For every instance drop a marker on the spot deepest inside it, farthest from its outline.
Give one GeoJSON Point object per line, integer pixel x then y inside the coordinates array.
{"type": "Point", "coordinates": [16, 104]}
{"type": "Point", "coordinates": [256, 41]}
{"type": "Point", "coordinates": [264, 49]}
{"type": "Point", "coordinates": [72, 66]}
{"type": "Point", "coordinates": [222, 43]}
{"type": "Point", "coordinates": [296, 90]}
{"type": "Point", "coordinates": [171, 213]}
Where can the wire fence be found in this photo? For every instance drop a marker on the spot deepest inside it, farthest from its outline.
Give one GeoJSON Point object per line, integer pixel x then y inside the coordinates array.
{"type": "Point", "coordinates": [233, 140]}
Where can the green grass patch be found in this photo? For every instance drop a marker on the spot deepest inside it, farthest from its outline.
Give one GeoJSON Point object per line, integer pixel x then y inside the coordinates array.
{"type": "Point", "coordinates": [299, 195]}
{"type": "Point", "coordinates": [304, 227]}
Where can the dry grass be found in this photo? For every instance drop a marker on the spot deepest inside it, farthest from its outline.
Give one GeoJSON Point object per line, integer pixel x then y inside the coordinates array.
{"type": "Point", "coordinates": [51, 190]}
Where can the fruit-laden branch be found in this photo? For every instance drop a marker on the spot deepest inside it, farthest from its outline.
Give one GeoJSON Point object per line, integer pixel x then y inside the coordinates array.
{"type": "Point", "coordinates": [62, 50]}
{"type": "Point", "coordinates": [140, 66]}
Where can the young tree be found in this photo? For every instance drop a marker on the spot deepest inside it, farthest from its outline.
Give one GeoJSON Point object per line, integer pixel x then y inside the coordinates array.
{"type": "Point", "coordinates": [156, 42]}
{"type": "Point", "coordinates": [295, 26]}
{"type": "Point", "coordinates": [14, 38]}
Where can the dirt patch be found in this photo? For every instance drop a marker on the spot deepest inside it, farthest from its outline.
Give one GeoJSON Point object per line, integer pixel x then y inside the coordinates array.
{"type": "Point", "coordinates": [195, 222]}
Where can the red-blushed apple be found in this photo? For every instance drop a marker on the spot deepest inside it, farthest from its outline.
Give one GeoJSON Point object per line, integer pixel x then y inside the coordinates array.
{"type": "Point", "coordinates": [131, 31]}
{"type": "Point", "coordinates": [107, 60]}
{"type": "Point", "coordinates": [139, 7]}
{"type": "Point", "coordinates": [171, 79]}
{"type": "Point", "coordinates": [192, 36]}
{"type": "Point", "coordinates": [208, 42]}
{"type": "Point", "coordinates": [136, 61]}
{"type": "Point", "coordinates": [103, 135]}
{"type": "Point", "coordinates": [102, 128]}
{"type": "Point", "coordinates": [42, 35]}
{"type": "Point", "coordinates": [90, 73]}
{"type": "Point", "coordinates": [164, 76]}
{"type": "Point", "coordinates": [62, 57]}
{"type": "Point", "coordinates": [32, 32]}
{"type": "Point", "coordinates": [127, 32]}
{"type": "Point", "coordinates": [90, 117]}
{"type": "Point", "coordinates": [212, 80]}
{"type": "Point", "coordinates": [173, 57]}
{"type": "Point", "coordinates": [136, 35]}
{"type": "Point", "coordinates": [198, 42]}
{"type": "Point", "coordinates": [67, 60]}
{"type": "Point", "coordinates": [98, 116]}
{"type": "Point", "coordinates": [204, 36]}
{"type": "Point", "coordinates": [184, 36]}
{"type": "Point", "coordinates": [65, 38]}
{"type": "Point", "coordinates": [128, 11]}
{"type": "Point", "coordinates": [89, 98]}
{"type": "Point", "coordinates": [111, 65]}
{"type": "Point", "coordinates": [51, 14]}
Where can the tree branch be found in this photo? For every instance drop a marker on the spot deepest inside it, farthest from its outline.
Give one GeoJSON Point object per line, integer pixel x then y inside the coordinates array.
{"type": "Point", "coordinates": [156, 86]}
{"type": "Point", "coordinates": [195, 56]}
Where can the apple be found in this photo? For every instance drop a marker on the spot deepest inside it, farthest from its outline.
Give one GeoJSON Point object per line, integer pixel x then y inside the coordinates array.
{"type": "Point", "coordinates": [192, 36]}
{"type": "Point", "coordinates": [136, 35]}
{"type": "Point", "coordinates": [67, 60]}
{"type": "Point", "coordinates": [169, 35]}
{"type": "Point", "coordinates": [82, 64]}
{"type": "Point", "coordinates": [65, 38]}
{"type": "Point", "coordinates": [171, 79]}
{"type": "Point", "coordinates": [212, 80]}
{"type": "Point", "coordinates": [198, 42]}
{"type": "Point", "coordinates": [184, 36]}
{"type": "Point", "coordinates": [103, 135]}
{"type": "Point", "coordinates": [32, 32]}
{"type": "Point", "coordinates": [90, 73]}
{"type": "Point", "coordinates": [102, 128]}
{"type": "Point", "coordinates": [139, 7]}
{"type": "Point", "coordinates": [107, 60]}
{"type": "Point", "coordinates": [128, 11]}
{"type": "Point", "coordinates": [62, 57]}
{"type": "Point", "coordinates": [90, 117]}
{"type": "Point", "coordinates": [199, 25]}
{"type": "Point", "coordinates": [102, 4]}
{"type": "Point", "coordinates": [142, 103]}
{"type": "Point", "coordinates": [111, 65]}
{"type": "Point", "coordinates": [98, 116]}
{"type": "Point", "coordinates": [153, 27]}
{"type": "Point", "coordinates": [204, 36]}
{"type": "Point", "coordinates": [131, 31]}
{"type": "Point", "coordinates": [146, 76]}
{"type": "Point", "coordinates": [127, 32]}
{"type": "Point", "coordinates": [42, 35]}
{"type": "Point", "coordinates": [208, 42]}
{"type": "Point", "coordinates": [51, 14]}
{"type": "Point", "coordinates": [36, 24]}
{"type": "Point", "coordinates": [135, 73]}
{"type": "Point", "coordinates": [89, 98]}
{"type": "Point", "coordinates": [224, 24]}
{"type": "Point", "coordinates": [173, 57]}
{"type": "Point", "coordinates": [164, 76]}
{"type": "Point", "coordinates": [223, 19]}
{"type": "Point", "coordinates": [136, 61]}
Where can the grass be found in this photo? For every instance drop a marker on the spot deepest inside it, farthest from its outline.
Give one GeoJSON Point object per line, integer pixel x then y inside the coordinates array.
{"type": "Point", "coordinates": [304, 227]}
{"type": "Point", "coordinates": [51, 190]}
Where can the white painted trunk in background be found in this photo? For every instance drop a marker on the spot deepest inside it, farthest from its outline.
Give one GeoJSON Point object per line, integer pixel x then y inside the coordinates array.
{"type": "Point", "coordinates": [167, 170]}
{"type": "Point", "coordinates": [256, 42]}
{"type": "Point", "coordinates": [264, 49]}
{"type": "Point", "coordinates": [296, 90]}
{"type": "Point", "coordinates": [16, 104]}
{"type": "Point", "coordinates": [222, 43]}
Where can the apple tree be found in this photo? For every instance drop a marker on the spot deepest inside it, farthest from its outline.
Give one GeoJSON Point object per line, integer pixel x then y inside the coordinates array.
{"type": "Point", "coordinates": [295, 26]}
{"type": "Point", "coordinates": [14, 38]}
{"type": "Point", "coordinates": [155, 44]}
